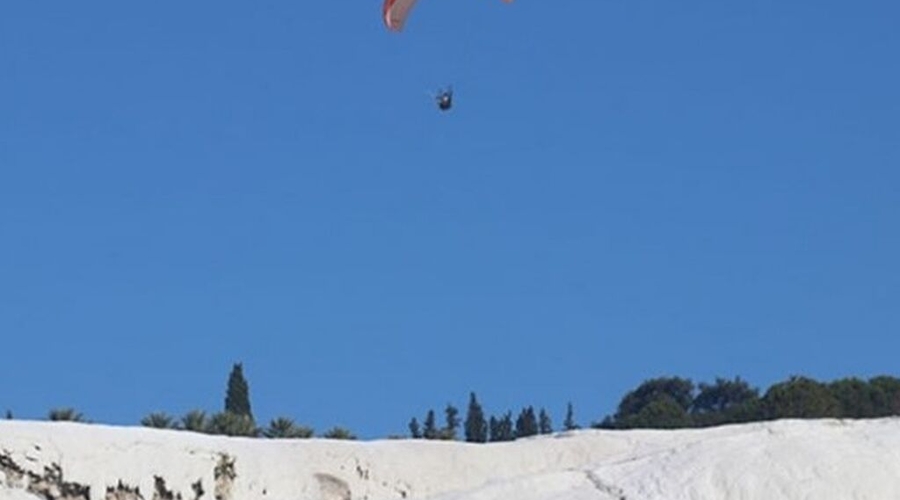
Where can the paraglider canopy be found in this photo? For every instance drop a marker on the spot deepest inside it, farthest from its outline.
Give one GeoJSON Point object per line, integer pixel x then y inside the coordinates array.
{"type": "Point", "coordinates": [395, 12]}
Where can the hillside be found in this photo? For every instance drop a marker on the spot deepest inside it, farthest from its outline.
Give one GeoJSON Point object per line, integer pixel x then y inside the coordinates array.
{"type": "Point", "coordinates": [791, 459]}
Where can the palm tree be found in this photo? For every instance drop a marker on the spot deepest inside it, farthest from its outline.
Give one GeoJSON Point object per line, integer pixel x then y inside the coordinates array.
{"type": "Point", "coordinates": [339, 433]}
{"type": "Point", "coordinates": [283, 427]}
{"type": "Point", "coordinates": [232, 424]}
{"type": "Point", "coordinates": [194, 420]}
{"type": "Point", "coordinates": [65, 415]}
{"type": "Point", "coordinates": [159, 420]}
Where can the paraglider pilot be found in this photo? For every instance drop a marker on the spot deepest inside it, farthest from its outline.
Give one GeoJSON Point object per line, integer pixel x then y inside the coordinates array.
{"type": "Point", "coordinates": [445, 99]}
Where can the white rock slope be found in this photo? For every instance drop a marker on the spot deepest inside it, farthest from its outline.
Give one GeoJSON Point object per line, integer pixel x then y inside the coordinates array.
{"type": "Point", "coordinates": [786, 460]}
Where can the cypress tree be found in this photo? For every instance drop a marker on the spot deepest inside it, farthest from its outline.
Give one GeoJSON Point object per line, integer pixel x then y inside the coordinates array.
{"type": "Point", "coordinates": [237, 399]}
{"type": "Point", "coordinates": [545, 426]}
{"type": "Point", "coordinates": [501, 429]}
{"type": "Point", "coordinates": [526, 424]}
{"type": "Point", "coordinates": [414, 429]}
{"type": "Point", "coordinates": [430, 431]}
{"type": "Point", "coordinates": [476, 427]}
{"type": "Point", "coordinates": [506, 430]}
{"type": "Point", "coordinates": [569, 424]}
{"type": "Point", "coordinates": [452, 416]}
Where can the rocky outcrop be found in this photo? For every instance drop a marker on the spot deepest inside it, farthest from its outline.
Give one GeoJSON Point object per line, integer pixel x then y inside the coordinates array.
{"type": "Point", "coordinates": [51, 485]}
{"type": "Point", "coordinates": [224, 475]}
{"type": "Point", "coordinates": [123, 491]}
{"type": "Point", "coordinates": [14, 476]}
{"type": "Point", "coordinates": [333, 488]}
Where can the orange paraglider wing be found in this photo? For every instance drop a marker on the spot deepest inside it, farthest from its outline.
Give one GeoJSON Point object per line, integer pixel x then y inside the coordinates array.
{"type": "Point", "coordinates": [395, 12]}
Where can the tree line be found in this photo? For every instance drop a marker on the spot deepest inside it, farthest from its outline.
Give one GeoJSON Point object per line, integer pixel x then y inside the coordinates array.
{"type": "Point", "coordinates": [673, 402]}
{"type": "Point", "coordinates": [478, 429]}
{"type": "Point", "coordinates": [236, 418]}
{"type": "Point", "coordinates": [658, 403]}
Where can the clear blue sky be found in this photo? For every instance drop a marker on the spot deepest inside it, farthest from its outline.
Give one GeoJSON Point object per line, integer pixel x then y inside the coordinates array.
{"type": "Point", "coordinates": [624, 190]}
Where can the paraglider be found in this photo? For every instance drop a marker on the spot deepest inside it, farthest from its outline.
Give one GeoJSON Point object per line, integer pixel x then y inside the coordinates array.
{"type": "Point", "coordinates": [395, 12]}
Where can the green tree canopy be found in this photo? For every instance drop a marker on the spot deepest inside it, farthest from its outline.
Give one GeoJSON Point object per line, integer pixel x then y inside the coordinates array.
{"type": "Point", "coordinates": [722, 395]}
{"type": "Point", "coordinates": [661, 413]}
{"type": "Point", "coordinates": [886, 395]}
{"type": "Point", "coordinates": [662, 393]}
{"type": "Point", "coordinates": [800, 397]}
{"type": "Point", "coordinates": [724, 401]}
{"type": "Point", "coordinates": [856, 398]}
